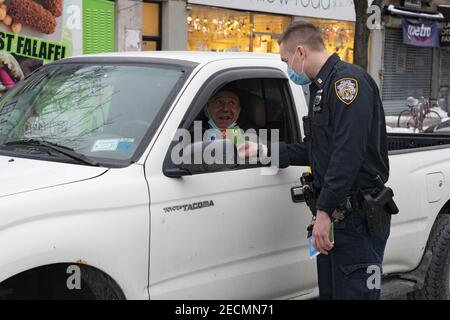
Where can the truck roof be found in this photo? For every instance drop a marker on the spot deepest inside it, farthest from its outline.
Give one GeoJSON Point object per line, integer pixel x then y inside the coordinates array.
{"type": "Point", "coordinates": [200, 57]}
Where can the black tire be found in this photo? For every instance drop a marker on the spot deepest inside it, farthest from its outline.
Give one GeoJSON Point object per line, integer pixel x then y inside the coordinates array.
{"type": "Point", "coordinates": [101, 285]}
{"type": "Point", "coordinates": [437, 286]}
{"type": "Point", "coordinates": [403, 117]}
{"type": "Point", "coordinates": [50, 283]}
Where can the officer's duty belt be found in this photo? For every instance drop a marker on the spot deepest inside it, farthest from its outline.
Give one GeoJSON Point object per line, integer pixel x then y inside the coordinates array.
{"type": "Point", "coordinates": [351, 203]}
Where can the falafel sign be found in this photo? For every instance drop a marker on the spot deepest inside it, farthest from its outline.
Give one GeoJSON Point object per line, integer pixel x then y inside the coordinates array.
{"type": "Point", "coordinates": [31, 47]}
{"type": "Point", "coordinates": [34, 32]}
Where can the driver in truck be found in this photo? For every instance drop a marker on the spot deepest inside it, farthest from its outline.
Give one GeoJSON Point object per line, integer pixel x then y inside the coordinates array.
{"type": "Point", "coordinates": [222, 111]}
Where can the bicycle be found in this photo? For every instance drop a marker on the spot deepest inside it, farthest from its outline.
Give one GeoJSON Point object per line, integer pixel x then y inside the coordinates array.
{"type": "Point", "coordinates": [417, 115]}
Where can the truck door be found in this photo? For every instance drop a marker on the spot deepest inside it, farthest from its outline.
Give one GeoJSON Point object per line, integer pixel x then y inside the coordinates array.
{"type": "Point", "coordinates": [230, 234]}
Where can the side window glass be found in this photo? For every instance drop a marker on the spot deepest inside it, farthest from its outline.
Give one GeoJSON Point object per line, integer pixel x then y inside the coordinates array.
{"type": "Point", "coordinates": [280, 114]}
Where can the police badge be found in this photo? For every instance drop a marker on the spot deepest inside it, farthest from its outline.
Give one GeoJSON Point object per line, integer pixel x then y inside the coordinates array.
{"type": "Point", "coordinates": [317, 101]}
{"type": "Point", "coordinates": [346, 90]}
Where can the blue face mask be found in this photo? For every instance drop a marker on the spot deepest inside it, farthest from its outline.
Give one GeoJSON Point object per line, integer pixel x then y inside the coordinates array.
{"type": "Point", "coordinates": [301, 78]}
{"type": "Point", "coordinates": [214, 132]}
{"type": "Point", "coordinates": [213, 125]}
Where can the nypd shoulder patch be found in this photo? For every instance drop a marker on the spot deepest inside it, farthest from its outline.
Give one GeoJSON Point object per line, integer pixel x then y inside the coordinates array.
{"type": "Point", "coordinates": [346, 90]}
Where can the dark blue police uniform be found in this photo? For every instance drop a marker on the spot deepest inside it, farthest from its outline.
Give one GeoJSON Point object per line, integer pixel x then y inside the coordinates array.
{"type": "Point", "coordinates": [348, 143]}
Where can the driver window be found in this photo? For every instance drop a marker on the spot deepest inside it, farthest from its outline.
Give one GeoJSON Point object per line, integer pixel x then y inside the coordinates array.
{"type": "Point", "coordinates": [248, 109]}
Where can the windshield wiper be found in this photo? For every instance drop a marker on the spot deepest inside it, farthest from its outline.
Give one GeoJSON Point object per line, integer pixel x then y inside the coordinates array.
{"type": "Point", "coordinates": [69, 152]}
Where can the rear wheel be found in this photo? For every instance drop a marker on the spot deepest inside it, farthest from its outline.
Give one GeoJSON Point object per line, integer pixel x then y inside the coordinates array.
{"type": "Point", "coordinates": [432, 118]}
{"type": "Point", "coordinates": [437, 279]}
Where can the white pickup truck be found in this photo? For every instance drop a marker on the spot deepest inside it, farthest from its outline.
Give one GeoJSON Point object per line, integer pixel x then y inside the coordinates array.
{"type": "Point", "coordinates": [88, 188]}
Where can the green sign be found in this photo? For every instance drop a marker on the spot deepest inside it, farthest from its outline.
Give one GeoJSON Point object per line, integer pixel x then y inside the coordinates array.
{"type": "Point", "coordinates": [31, 47]}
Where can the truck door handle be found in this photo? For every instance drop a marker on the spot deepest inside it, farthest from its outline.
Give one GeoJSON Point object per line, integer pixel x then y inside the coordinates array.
{"type": "Point", "coordinates": [297, 194]}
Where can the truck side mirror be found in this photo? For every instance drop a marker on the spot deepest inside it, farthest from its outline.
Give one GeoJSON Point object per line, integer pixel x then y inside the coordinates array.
{"type": "Point", "coordinates": [209, 156]}
{"type": "Point", "coordinates": [201, 157]}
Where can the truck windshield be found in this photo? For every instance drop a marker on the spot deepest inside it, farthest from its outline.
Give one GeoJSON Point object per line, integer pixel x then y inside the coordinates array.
{"type": "Point", "coordinates": [99, 112]}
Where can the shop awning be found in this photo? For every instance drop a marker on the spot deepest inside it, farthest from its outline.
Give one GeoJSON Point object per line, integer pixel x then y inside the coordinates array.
{"type": "Point", "coordinates": [416, 14]}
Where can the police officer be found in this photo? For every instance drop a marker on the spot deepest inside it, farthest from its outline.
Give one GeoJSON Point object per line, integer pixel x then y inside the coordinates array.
{"type": "Point", "coordinates": [346, 146]}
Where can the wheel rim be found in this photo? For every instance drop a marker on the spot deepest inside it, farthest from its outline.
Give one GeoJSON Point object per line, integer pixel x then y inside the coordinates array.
{"type": "Point", "coordinates": [431, 119]}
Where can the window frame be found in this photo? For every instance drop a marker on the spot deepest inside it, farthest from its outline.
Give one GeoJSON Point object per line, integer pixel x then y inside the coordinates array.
{"type": "Point", "coordinates": [217, 81]}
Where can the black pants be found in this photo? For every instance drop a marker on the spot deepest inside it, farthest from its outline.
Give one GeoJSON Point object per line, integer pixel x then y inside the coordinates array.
{"type": "Point", "coordinates": [350, 268]}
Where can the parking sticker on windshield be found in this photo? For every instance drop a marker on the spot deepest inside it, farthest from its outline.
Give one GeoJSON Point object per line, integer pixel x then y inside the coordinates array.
{"type": "Point", "coordinates": [105, 145]}
{"type": "Point", "coordinates": [113, 145]}
{"type": "Point", "coordinates": [125, 144]}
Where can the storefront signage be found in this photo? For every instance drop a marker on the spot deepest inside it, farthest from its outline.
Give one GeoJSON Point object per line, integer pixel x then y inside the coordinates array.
{"type": "Point", "coordinates": [31, 47]}
{"type": "Point", "coordinates": [36, 32]}
{"type": "Point", "coordinates": [445, 33]}
{"type": "Point", "coordinates": [325, 9]}
{"type": "Point", "coordinates": [420, 34]}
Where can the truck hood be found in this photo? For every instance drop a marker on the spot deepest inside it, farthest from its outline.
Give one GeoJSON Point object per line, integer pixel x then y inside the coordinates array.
{"type": "Point", "coordinates": [18, 175]}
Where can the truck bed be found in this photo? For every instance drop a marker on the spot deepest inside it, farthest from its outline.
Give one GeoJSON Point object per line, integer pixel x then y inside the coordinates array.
{"type": "Point", "coordinates": [406, 142]}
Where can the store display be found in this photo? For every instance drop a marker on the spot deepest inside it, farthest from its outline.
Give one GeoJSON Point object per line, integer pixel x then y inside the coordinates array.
{"type": "Point", "coordinates": [337, 35]}
{"type": "Point", "coordinates": [217, 29]}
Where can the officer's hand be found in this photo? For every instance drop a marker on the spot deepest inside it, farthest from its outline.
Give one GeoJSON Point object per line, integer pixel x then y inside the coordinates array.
{"type": "Point", "coordinates": [320, 234]}
{"type": "Point", "coordinates": [249, 149]}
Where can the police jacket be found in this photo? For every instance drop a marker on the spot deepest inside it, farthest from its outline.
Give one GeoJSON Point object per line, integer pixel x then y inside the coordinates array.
{"type": "Point", "coordinates": [348, 143]}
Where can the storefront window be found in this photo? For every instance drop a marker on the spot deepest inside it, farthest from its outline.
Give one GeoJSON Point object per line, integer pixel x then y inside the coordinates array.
{"type": "Point", "coordinates": [213, 29]}
{"type": "Point", "coordinates": [151, 26]}
{"type": "Point", "coordinates": [216, 29]}
{"type": "Point", "coordinates": [337, 35]}
{"type": "Point", "coordinates": [149, 45]}
{"type": "Point", "coordinates": [267, 30]}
